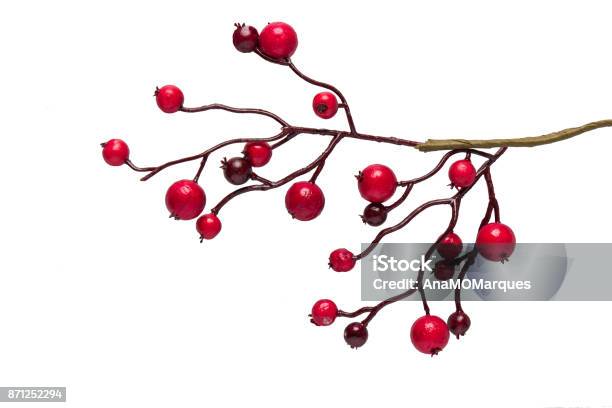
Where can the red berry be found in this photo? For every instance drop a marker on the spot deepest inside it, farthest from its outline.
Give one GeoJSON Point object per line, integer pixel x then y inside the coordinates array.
{"type": "Point", "coordinates": [185, 200]}
{"type": "Point", "coordinates": [324, 312]}
{"type": "Point", "coordinates": [376, 183]}
{"type": "Point", "coordinates": [278, 40]}
{"type": "Point", "coordinates": [304, 200]}
{"type": "Point", "coordinates": [325, 105]}
{"type": "Point", "coordinates": [462, 173]}
{"type": "Point", "coordinates": [374, 214]}
{"type": "Point", "coordinates": [496, 242]}
{"type": "Point", "coordinates": [450, 246]}
{"type": "Point", "coordinates": [236, 170]}
{"type": "Point", "coordinates": [444, 270]}
{"type": "Point", "coordinates": [341, 260]}
{"type": "Point", "coordinates": [355, 334]}
{"type": "Point", "coordinates": [245, 38]}
{"type": "Point", "coordinates": [257, 153]}
{"type": "Point", "coordinates": [208, 226]}
{"type": "Point", "coordinates": [115, 152]}
{"type": "Point", "coordinates": [169, 98]}
{"type": "Point", "coordinates": [429, 334]}
{"type": "Point", "coordinates": [458, 323]}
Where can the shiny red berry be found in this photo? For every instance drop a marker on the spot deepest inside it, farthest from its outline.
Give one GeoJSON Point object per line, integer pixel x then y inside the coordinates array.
{"type": "Point", "coordinates": [462, 173]}
{"type": "Point", "coordinates": [115, 152]}
{"type": "Point", "coordinates": [341, 260]}
{"type": "Point", "coordinates": [325, 105]}
{"type": "Point", "coordinates": [245, 38]}
{"type": "Point", "coordinates": [236, 170]}
{"type": "Point", "coordinates": [429, 334]}
{"type": "Point", "coordinates": [185, 200]}
{"type": "Point", "coordinates": [324, 312]}
{"type": "Point", "coordinates": [355, 334]}
{"type": "Point", "coordinates": [169, 98]}
{"type": "Point", "coordinates": [208, 226]}
{"type": "Point", "coordinates": [257, 153]}
{"type": "Point", "coordinates": [496, 242]}
{"type": "Point", "coordinates": [444, 270]}
{"type": "Point", "coordinates": [450, 246]}
{"type": "Point", "coordinates": [278, 40]}
{"type": "Point", "coordinates": [374, 214]}
{"type": "Point", "coordinates": [304, 200]}
{"type": "Point", "coordinates": [376, 183]}
{"type": "Point", "coordinates": [458, 323]}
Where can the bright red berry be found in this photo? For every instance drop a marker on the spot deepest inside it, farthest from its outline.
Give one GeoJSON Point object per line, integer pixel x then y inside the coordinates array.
{"type": "Point", "coordinates": [236, 170]}
{"type": "Point", "coordinates": [325, 105]}
{"type": "Point", "coordinates": [169, 98]}
{"type": "Point", "coordinates": [429, 334]}
{"type": "Point", "coordinates": [324, 312]}
{"type": "Point", "coordinates": [245, 38]}
{"type": "Point", "coordinates": [444, 270]}
{"type": "Point", "coordinates": [257, 153]}
{"type": "Point", "coordinates": [185, 200]}
{"type": "Point", "coordinates": [376, 183]}
{"type": "Point", "coordinates": [304, 200]}
{"type": "Point", "coordinates": [341, 260]}
{"type": "Point", "coordinates": [450, 246]}
{"type": "Point", "coordinates": [374, 214]}
{"type": "Point", "coordinates": [356, 334]}
{"type": "Point", "coordinates": [278, 40]}
{"type": "Point", "coordinates": [208, 226]}
{"type": "Point", "coordinates": [496, 242]}
{"type": "Point", "coordinates": [458, 323]}
{"type": "Point", "coordinates": [115, 152]}
{"type": "Point", "coordinates": [462, 173]}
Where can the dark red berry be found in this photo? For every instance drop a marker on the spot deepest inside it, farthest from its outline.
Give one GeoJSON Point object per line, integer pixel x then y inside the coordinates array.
{"type": "Point", "coordinates": [355, 334]}
{"type": "Point", "coordinates": [496, 242]}
{"type": "Point", "coordinates": [208, 225]}
{"type": "Point", "coordinates": [185, 200]}
{"type": "Point", "coordinates": [374, 214]}
{"type": "Point", "coordinates": [376, 183]}
{"type": "Point", "coordinates": [341, 260]}
{"type": "Point", "coordinates": [458, 323]}
{"type": "Point", "coordinates": [257, 153]}
{"type": "Point", "coordinates": [169, 98]}
{"type": "Point", "coordinates": [429, 334]}
{"type": "Point", "coordinates": [245, 38]}
{"type": "Point", "coordinates": [462, 173]}
{"type": "Point", "coordinates": [324, 312]}
{"type": "Point", "coordinates": [444, 270]}
{"type": "Point", "coordinates": [278, 40]}
{"type": "Point", "coordinates": [325, 105]}
{"type": "Point", "coordinates": [304, 200]}
{"type": "Point", "coordinates": [236, 170]}
{"type": "Point", "coordinates": [115, 152]}
{"type": "Point", "coordinates": [450, 246]}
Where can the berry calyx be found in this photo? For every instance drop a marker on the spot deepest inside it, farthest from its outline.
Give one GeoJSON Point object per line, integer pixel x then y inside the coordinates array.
{"type": "Point", "coordinates": [356, 334]}
{"type": "Point", "coordinates": [257, 153]}
{"type": "Point", "coordinates": [169, 98]}
{"type": "Point", "coordinates": [429, 334]}
{"type": "Point", "coordinates": [185, 200]}
{"type": "Point", "coordinates": [245, 38]}
{"type": "Point", "coordinates": [444, 270]}
{"type": "Point", "coordinates": [450, 246]}
{"type": "Point", "coordinates": [115, 152]}
{"type": "Point", "coordinates": [462, 173]}
{"type": "Point", "coordinates": [341, 260]}
{"type": "Point", "coordinates": [377, 183]}
{"type": "Point", "coordinates": [304, 200]}
{"type": "Point", "coordinates": [278, 40]}
{"type": "Point", "coordinates": [458, 323]}
{"type": "Point", "coordinates": [374, 214]}
{"type": "Point", "coordinates": [324, 312]}
{"type": "Point", "coordinates": [325, 105]}
{"type": "Point", "coordinates": [208, 226]}
{"type": "Point", "coordinates": [496, 242]}
{"type": "Point", "coordinates": [236, 170]}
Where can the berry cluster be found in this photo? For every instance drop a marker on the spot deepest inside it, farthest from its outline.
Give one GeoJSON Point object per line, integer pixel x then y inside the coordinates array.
{"type": "Point", "coordinates": [376, 183]}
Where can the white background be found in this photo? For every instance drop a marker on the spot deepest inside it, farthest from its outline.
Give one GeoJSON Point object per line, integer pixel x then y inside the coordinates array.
{"type": "Point", "coordinates": [102, 293]}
